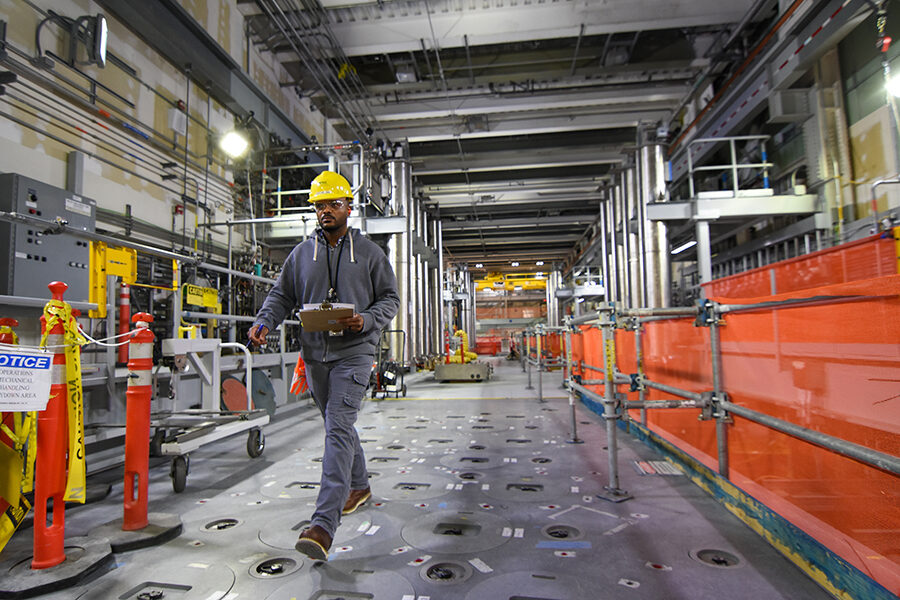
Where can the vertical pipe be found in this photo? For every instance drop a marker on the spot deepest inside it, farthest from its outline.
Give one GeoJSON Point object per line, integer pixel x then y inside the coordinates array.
{"type": "Point", "coordinates": [604, 252]}
{"type": "Point", "coordinates": [609, 400]}
{"type": "Point", "coordinates": [721, 416]}
{"type": "Point", "coordinates": [539, 334]}
{"type": "Point", "coordinates": [657, 281]}
{"type": "Point", "coordinates": [527, 338]}
{"type": "Point", "coordinates": [639, 356]}
{"type": "Point", "coordinates": [611, 215]}
{"type": "Point", "coordinates": [574, 421]}
{"type": "Point", "coordinates": [399, 250]}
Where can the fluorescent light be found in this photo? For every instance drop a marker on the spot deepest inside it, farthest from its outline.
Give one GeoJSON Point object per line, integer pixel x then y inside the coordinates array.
{"type": "Point", "coordinates": [234, 144]}
{"type": "Point", "coordinates": [540, 263]}
{"type": "Point", "coordinates": [684, 247]}
{"type": "Point", "coordinates": [517, 288]}
{"type": "Point", "coordinates": [478, 265]}
{"type": "Point", "coordinates": [514, 263]}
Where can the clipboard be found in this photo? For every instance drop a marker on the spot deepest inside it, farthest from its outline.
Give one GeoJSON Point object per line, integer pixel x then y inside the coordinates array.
{"type": "Point", "coordinates": [316, 318]}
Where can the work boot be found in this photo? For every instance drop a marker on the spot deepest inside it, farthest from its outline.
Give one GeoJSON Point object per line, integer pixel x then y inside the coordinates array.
{"type": "Point", "coordinates": [357, 498]}
{"type": "Point", "coordinates": [314, 542]}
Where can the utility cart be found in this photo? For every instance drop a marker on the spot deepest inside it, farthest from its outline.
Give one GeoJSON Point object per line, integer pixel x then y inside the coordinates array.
{"type": "Point", "coordinates": [178, 433]}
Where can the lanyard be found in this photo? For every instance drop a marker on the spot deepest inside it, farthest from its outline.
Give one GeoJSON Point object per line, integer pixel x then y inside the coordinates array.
{"type": "Point", "coordinates": [332, 281]}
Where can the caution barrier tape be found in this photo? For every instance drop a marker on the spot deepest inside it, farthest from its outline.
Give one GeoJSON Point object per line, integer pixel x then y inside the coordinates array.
{"type": "Point", "coordinates": [56, 312]}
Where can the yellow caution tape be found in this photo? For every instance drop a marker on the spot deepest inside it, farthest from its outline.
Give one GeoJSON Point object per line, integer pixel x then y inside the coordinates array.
{"type": "Point", "coordinates": [57, 311]}
{"type": "Point", "coordinates": [17, 465]}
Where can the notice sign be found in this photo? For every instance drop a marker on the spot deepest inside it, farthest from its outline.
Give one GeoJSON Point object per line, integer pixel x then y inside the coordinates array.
{"type": "Point", "coordinates": [24, 380]}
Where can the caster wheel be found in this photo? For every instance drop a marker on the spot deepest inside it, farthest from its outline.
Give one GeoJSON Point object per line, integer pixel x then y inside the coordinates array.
{"type": "Point", "coordinates": [256, 442]}
{"type": "Point", "coordinates": [179, 473]}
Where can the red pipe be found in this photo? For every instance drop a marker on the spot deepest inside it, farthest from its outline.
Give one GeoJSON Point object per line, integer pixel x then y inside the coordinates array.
{"type": "Point", "coordinates": [137, 423]}
{"type": "Point", "coordinates": [124, 318]}
{"type": "Point", "coordinates": [50, 464]}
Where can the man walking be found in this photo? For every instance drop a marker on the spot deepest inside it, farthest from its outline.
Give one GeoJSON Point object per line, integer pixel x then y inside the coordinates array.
{"type": "Point", "coordinates": [338, 265]}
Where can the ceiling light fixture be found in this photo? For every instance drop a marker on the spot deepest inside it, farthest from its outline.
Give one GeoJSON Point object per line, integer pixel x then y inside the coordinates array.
{"type": "Point", "coordinates": [684, 247]}
{"type": "Point", "coordinates": [540, 263]}
{"type": "Point", "coordinates": [514, 264]}
{"type": "Point", "coordinates": [478, 265]}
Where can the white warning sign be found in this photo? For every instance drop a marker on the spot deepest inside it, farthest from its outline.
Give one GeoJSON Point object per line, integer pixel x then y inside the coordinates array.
{"type": "Point", "coordinates": [24, 380]}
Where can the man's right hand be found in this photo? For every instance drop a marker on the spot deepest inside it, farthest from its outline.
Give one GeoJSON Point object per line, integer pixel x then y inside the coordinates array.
{"type": "Point", "coordinates": [258, 335]}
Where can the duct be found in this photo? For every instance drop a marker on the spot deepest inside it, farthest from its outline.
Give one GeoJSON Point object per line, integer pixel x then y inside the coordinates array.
{"type": "Point", "coordinates": [400, 253]}
{"type": "Point", "coordinates": [657, 284]}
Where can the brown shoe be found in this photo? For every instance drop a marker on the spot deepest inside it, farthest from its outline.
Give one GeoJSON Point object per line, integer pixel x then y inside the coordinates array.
{"type": "Point", "coordinates": [314, 542]}
{"type": "Point", "coordinates": [357, 498]}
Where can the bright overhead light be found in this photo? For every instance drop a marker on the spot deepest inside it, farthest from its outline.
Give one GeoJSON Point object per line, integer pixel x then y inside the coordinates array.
{"type": "Point", "coordinates": [893, 86]}
{"type": "Point", "coordinates": [514, 263]}
{"type": "Point", "coordinates": [684, 247]}
{"type": "Point", "coordinates": [478, 265]}
{"type": "Point", "coordinates": [540, 263]}
{"type": "Point", "coordinates": [517, 288]}
{"type": "Point", "coordinates": [234, 144]}
{"type": "Point", "coordinates": [539, 274]}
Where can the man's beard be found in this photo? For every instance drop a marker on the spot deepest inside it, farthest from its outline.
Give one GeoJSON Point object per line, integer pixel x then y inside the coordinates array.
{"type": "Point", "coordinates": [333, 226]}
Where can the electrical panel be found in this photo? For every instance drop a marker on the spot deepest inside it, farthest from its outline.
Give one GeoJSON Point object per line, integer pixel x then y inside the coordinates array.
{"type": "Point", "coordinates": [35, 256]}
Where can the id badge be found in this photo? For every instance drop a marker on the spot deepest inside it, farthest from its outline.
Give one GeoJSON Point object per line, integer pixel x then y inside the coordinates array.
{"type": "Point", "coordinates": [335, 333]}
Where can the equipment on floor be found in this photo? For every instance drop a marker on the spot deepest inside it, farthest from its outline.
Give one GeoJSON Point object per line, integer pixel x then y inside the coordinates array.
{"type": "Point", "coordinates": [472, 371]}
{"type": "Point", "coordinates": [389, 374]}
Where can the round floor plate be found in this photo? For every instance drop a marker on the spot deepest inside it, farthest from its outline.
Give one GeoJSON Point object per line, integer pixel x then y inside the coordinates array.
{"type": "Point", "coordinates": [455, 532]}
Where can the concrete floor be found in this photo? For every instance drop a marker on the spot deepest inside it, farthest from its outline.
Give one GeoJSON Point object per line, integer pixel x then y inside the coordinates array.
{"type": "Point", "coordinates": [477, 496]}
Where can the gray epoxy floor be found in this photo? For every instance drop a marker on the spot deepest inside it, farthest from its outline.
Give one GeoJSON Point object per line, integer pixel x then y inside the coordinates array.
{"type": "Point", "coordinates": [477, 495]}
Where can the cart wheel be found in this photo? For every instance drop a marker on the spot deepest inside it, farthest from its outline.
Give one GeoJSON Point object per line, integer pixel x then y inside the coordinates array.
{"type": "Point", "coordinates": [156, 442]}
{"type": "Point", "coordinates": [256, 442]}
{"type": "Point", "coordinates": [403, 390]}
{"type": "Point", "coordinates": [179, 473]}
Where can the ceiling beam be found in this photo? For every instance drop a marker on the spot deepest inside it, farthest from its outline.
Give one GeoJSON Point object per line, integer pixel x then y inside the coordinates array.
{"type": "Point", "coordinates": [390, 27]}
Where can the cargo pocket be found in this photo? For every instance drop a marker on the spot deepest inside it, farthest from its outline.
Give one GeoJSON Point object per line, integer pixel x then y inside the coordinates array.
{"type": "Point", "coordinates": [356, 389]}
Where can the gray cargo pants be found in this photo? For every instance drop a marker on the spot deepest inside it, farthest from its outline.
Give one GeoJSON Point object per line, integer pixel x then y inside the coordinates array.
{"type": "Point", "coordinates": [338, 388]}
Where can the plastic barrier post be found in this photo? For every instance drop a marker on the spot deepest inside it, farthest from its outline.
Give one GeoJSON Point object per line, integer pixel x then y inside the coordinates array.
{"type": "Point", "coordinates": [137, 428]}
{"type": "Point", "coordinates": [124, 318]}
{"type": "Point", "coordinates": [50, 464]}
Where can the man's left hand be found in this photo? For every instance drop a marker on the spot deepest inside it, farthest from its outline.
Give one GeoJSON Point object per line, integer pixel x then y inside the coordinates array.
{"type": "Point", "coordinates": [354, 323]}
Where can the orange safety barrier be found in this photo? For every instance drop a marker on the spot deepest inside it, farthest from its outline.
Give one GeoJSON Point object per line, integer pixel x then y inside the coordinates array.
{"type": "Point", "coordinates": [137, 423]}
{"type": "Point", "coordinates": [487, 345]}
{"type": "Point", "coordinates": [124, 318]}
{"type": "Point", "coordinates": [832, 366]}
{"type": "Point", "coordinates": [52, 444]}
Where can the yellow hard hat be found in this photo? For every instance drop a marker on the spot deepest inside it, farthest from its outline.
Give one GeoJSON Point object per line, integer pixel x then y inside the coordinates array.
{"type": "Point", "coordinates": [329, 186]}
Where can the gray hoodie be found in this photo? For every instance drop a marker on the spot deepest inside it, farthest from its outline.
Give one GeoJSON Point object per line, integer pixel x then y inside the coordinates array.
{"type": "Point", "coordinates": [363, 278]}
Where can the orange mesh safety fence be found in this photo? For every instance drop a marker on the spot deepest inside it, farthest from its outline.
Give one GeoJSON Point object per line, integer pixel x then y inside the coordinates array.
{"type": "Point", "coordinates": [874, 256]}
{"type": "Point", "coordinates": [832, 366]}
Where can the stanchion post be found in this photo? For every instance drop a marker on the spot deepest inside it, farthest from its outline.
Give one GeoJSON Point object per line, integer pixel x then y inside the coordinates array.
{"type": "Point", "coordinates": [539, 336]}
{"type": "Point", "coordinates": [137, 428]}
{"type": "Point", "coordinates": [124, 318]}
{"type": "Point", "coordinates": [608, 325]}
{"type": "Point", "coordinates": [568, 367]}
{"type": "Point", "coordinates": [50, 463]}
{"type": "Point", "coordinates": [722, 418]}
{"type": "Point", "coordinates": [528, 360]}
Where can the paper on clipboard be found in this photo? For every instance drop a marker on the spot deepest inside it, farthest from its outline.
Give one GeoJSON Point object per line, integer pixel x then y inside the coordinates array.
{"type": "Point", "coordinates": [314, 318]}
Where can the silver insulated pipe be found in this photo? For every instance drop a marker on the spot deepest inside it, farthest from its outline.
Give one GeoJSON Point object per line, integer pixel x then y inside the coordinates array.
{"type": "Point", "coordinates": [400, 254]}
